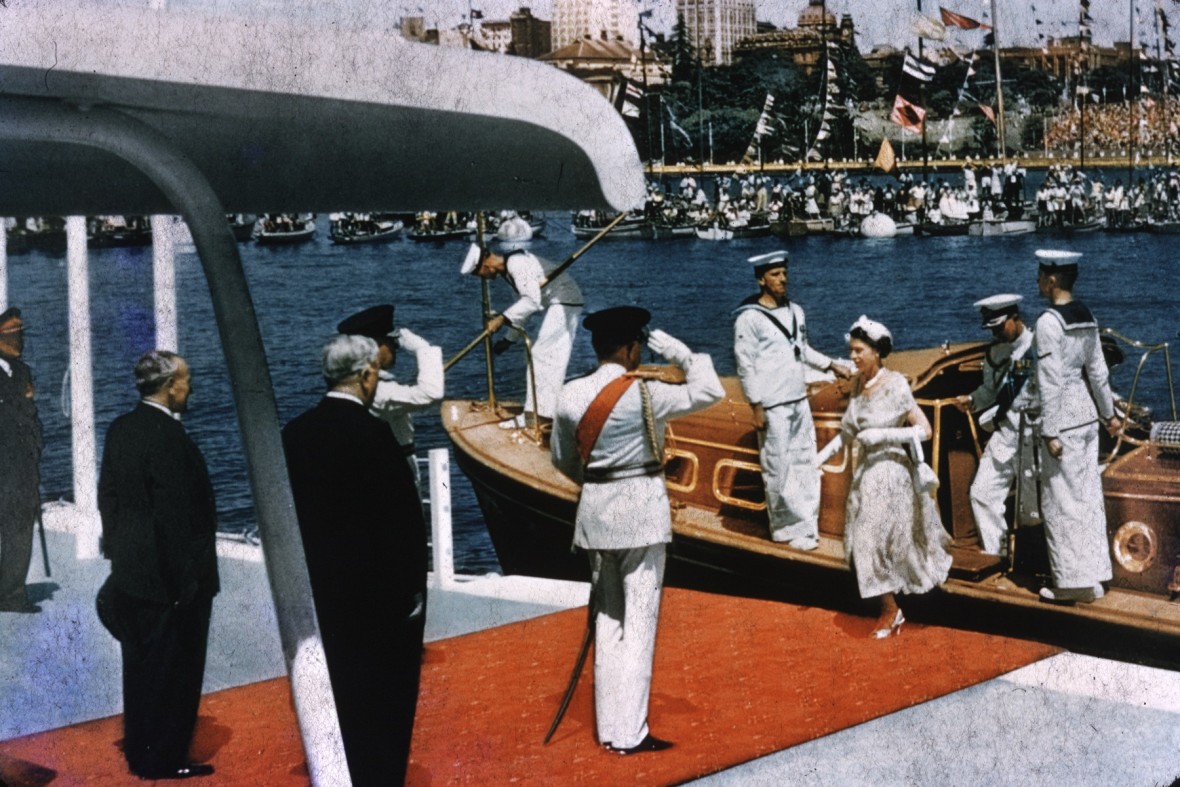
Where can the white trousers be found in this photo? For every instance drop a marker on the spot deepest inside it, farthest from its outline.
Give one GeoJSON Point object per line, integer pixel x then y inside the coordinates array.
{"type": "Point", "coordinates": [627, 585]}
{"type": "Point", "coordinates": [989, 490]}
{"type": "Point", "coordinates": [1075, 514]}
{"type": "Point", "coordinates": [551, 356]}
{"type": "Point", "coordinates": [789, 472]}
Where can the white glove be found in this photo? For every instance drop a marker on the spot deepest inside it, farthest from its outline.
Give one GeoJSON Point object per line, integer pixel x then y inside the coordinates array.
{"type": "Point", "coordinates": [410, 341]}
{"type": "Point", "coordinates": [673, 349]}
{"type": "Point", "coordinates": [831, 449]}
{"type": "Point", "coordinates": [874, 436]}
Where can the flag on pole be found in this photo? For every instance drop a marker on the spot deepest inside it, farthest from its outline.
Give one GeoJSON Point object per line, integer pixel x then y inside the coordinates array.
{"type": "Point", "coordinates": [886, 160]}
{"type": "Point", "coordinates": [958, 20]}
{"type": "Point", "coordinates": [926, 27]}
{"type": "Point", "coordinates": [907, 114]}
{"type": "Point", "coordinates": [918, 69]}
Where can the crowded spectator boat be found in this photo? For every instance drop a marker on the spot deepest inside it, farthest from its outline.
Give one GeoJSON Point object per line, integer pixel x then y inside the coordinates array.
{"type": "Point", "coordinates": [107, 232]}
{"type": "Point", "coordinates": [349, 228]}
{"type": "Point", "coordinates": [282, 229]}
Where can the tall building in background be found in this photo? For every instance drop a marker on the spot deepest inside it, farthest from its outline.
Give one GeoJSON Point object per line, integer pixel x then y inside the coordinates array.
{"type": "Point", "coordinates": [602, 20]}
{"type": "Point", "coordinates": [531, 37]}
{"type": "Point", "coordinates": [715, 26]}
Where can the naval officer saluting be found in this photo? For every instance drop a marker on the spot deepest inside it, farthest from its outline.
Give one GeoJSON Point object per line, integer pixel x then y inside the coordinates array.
{"type": "Point", "coordinates": [1075, 394]}
{"type": "Point", "coordinates": [1006, 398]}
{"type": "Point", "coordinates": [608, 435]}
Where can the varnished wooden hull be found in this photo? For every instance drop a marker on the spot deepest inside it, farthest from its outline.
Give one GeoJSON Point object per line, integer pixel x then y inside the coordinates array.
{"type": "Point", "coordinates": [718, 510]}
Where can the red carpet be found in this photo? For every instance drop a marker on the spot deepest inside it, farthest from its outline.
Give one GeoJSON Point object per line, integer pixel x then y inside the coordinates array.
{"type": "Point", "coordinates": [734, 679]}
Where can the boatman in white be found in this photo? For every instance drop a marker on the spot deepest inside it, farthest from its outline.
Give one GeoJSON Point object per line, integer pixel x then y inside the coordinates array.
{"type": "Point", "coordinates": [1075, 396]}
{"type": "Point", "coordinates": [773, 356]}
{"type": "Point", "coordinates": [1005, 400]}
{"type": "Point", "coordinates": [560, 300]}
{"type": "Point", "coordinates": [609, 436]}
{"type": "Point", "coordinates": [395, 402]}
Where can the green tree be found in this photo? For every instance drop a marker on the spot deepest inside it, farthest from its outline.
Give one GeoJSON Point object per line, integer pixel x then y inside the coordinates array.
{"type": "Point", "coordinates": [681, 52]}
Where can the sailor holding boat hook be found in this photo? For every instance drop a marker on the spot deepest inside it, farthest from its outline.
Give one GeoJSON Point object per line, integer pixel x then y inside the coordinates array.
{"type": "Point", "coordinates": [770, 344]}
{"type": "Point", "coordinates": [560, 300]}
{"type": "Point", "coordinates": [1007, 402]}
{"type": "Point", "coordinates": [609, 436]}
{"type": "Point", "coordinates": [1075, 394]}
{"type": "Point", "coordinates": [394, 402]}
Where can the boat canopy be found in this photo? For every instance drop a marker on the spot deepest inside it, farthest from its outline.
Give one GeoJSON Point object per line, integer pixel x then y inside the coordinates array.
{"type": "Point", "coordinates": [289, 112]}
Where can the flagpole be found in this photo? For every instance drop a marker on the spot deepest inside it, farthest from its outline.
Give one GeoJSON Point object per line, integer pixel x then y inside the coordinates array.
{"type": "Point", "coordinates": [925, 148]}
{"type": "Point", "coordinates": [999, 84]}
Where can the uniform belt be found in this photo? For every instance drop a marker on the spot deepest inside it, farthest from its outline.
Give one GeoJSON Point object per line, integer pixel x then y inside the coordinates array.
{"type": "Point", "coordinates": [597, 476]}
{"type": "Point", "coordinates": [789, 401]}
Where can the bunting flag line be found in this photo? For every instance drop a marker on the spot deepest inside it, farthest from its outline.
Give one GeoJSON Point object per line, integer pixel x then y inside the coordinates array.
{"type": "Point", "coordinates": [761, 128]}
{"type": "Point", "coordinates": [676, 126]}
{"type": "Point", "coordinates": [628, 98]}
{"type": "Point", "coordinates": [918, 69]}
{"type": "Point", "coordinates": [951, 19]}
{"type": "Point", "coordinates": [886, 160]}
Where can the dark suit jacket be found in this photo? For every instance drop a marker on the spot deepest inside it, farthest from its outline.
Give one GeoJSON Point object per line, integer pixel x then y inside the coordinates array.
{"type": "Point", "coordinates": [359, 513]}
{"type": "Point", "coordinates": [159, 520]}
{"type": "Point", "coordinates": [20, 439]}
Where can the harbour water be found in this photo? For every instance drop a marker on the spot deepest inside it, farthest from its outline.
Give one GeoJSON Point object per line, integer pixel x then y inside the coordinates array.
{"type": "Point", "coordinates": [922, 288]}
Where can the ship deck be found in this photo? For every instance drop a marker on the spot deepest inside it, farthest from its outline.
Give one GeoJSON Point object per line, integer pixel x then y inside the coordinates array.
{"type": "Point", "coordinates": [753, 691]}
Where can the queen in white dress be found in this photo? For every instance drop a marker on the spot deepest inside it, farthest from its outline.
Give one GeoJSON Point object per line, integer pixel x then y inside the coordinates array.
{"type": "Point", "coordinates": [893, 537]}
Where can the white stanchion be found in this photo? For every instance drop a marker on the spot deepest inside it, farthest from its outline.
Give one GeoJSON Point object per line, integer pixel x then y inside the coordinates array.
{"type": "Point", "coordinates": [440, 517]}
{"type": "Point", "coordinates": [164, 282]}
{"type": "Point", "coordinates": [85, 450]}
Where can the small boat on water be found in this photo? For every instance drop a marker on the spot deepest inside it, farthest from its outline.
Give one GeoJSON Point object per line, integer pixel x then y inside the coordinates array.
{"type": "Point", "coordinates": [714, 232]}
{"type": "Point", "coordinates": [754, 229]}
{"type": "Point", "coordinates": [588, 223]}
{"type": "Point", "coordinates": [794, 228]}
{"type": "Point", "coordinates": [242, 225]}
{"type": "Point", "coordinates": [352, 228]}
{"type": "Point", "coordinates": [108, 232]}
{"type": "Point", "coordinates": [1164, 227]}
{"type": "Point", "coordinates": [987, 228]}
{"type": "Point", "coordinates": [438, 236]}
{"type": "Point", "coordinates": [719, 521]}
{"type": "Point", "coordinates": [284, 229]}
{"type": "Point", "coordinates": [661, 231]}
{"type": "Point", "coordinates": [946, 227]}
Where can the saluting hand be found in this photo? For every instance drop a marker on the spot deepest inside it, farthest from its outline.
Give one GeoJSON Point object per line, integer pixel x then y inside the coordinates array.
{"type": "Point", "coordinates": [674, 350]}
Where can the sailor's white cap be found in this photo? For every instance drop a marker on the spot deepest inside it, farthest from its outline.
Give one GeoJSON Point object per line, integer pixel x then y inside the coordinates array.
{"type": "Point", "coordinates": [514, 233]}
{"type": "Point", "coordinates": [471, 261]}
{"type": "Point", "coordinates": [996, 309]}
{"type": "Point", "coordinates": [1054, 260]}
{"type": "Point", "coordinates": [764, 262]}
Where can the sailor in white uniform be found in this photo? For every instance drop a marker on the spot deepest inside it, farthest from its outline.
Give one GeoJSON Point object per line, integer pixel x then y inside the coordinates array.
{"type": "Point", "coordinates": [395, 402]}
{"type": "Point", "coordinates": [1075, 395]}
{"type": "Point", "coordinates": [609, 436]}
{"type": "Point", "coordinates": [560, 300]}
{"type": "Point", "coordinates": [773, 356]}
{"type": "Point", "coordinates": [1006, 400]}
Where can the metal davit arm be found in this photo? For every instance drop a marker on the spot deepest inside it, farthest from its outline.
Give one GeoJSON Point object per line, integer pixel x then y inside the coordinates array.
{"type": "Point", "coordinates": [190, 193]}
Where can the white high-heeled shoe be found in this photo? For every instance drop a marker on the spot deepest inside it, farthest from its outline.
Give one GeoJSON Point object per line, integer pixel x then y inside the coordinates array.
{"type": "Point", "coordinates": [892, 628]}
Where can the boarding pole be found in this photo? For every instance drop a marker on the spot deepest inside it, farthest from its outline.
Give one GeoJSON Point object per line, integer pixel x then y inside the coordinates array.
{"type": "Point", "coordinates": [560, 269]}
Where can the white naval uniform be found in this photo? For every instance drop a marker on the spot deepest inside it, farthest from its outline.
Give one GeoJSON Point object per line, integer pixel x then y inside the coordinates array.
{"type": "Point", "coordinates": [562, 302]}
{"type": "Point", "coordinates": [997, 466]}
{"type": "Point", "coordinates": [773, 374]}
{"type": "Point", "coordinates": [394, 402]}
{"type": "Point", "coordinates": [1075, 394]}
{"type": "Point", "coordinates": [624, 524]}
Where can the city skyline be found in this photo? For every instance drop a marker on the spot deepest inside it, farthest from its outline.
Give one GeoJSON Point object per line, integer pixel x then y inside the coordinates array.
{"type": "Point", "coordinates": [884, 21]}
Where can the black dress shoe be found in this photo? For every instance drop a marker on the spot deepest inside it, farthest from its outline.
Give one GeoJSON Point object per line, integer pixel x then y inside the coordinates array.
{"type": "Point", "coordinates": [650, 743]}
{"type": "Point", "coordinates": [189, 771]}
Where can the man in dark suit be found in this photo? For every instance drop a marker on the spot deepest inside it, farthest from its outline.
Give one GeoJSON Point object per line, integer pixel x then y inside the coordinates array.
{"type": "Point", "coordinates": [159, 529]}
{"type": "Point", "coordinates": [365, 542]}
{"type": "Point", "coordinates": [20, 458]}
